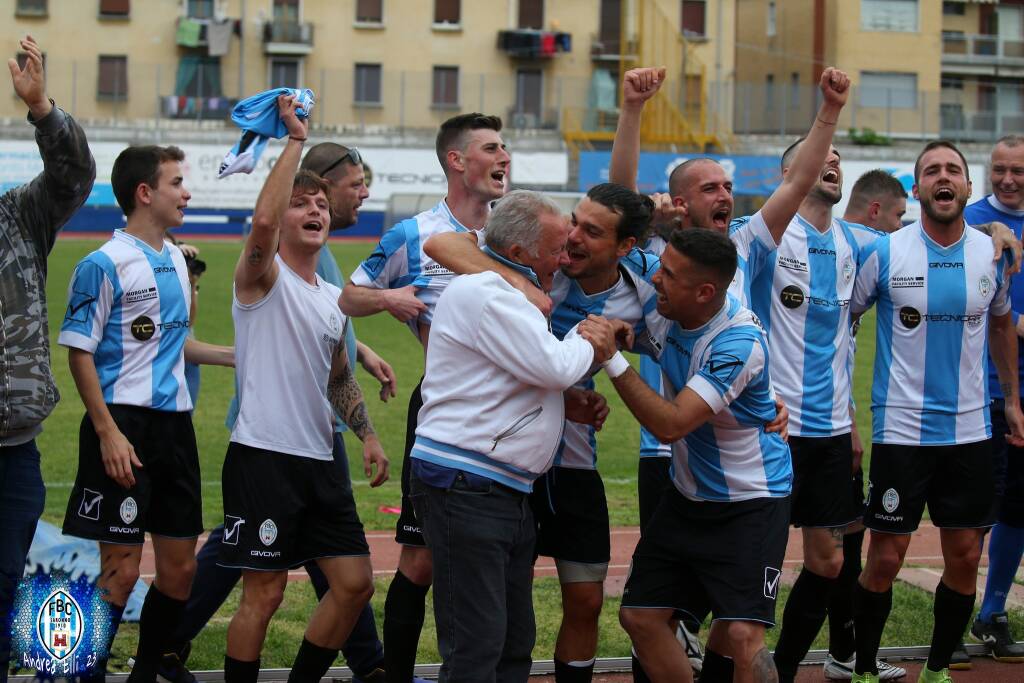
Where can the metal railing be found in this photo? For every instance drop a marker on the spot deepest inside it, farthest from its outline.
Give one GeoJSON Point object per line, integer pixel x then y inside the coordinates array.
{"type": "Point", "coordinates": [981, 49]}
{"type": "Point", "coordinates": [293, 32]}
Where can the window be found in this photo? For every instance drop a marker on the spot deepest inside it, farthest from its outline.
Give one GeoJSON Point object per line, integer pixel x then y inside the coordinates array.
{"type": "Point", "coordinates": [693, 17]}
{"type": "Point", "coordinates": [370, 11]}
{"type": "Point", "coordinates": [888, 15]}
{"type": "Point", "coordinates": [957, 9]}
{"type": "Point", "coordinates": [200, 9]}
{"type": "Point", "coordinates": [769, 29]}
{"type": "Point", "coordinates": [529, 83]}
{"type": "Point", "coordinates": [22, 58]}
{"type": "Point", "coordinates": [198, 76]}
{"type": "Point", "coordinates": [286, 11]}
{"type": "Point", "coordinates": [367, 84]}
{"type": "Point", "coordinates": [952, 82]}
{"type": "Point", "coordinates": [446, 87]}
{"type": "Point", "coordinates": [769, 92]}
{"type": "Point", "coordinates": [284, 73]}
{"type": "Point", "coordinates": [888, 90]}
{"type": "Point", "coordinates": [794, 90]}
{"type": "Point", "coordinates": [35, 8]}
{"type": "Point", "coordinates": [611, 23]}
{"type": "Point", "coordinates": [531, 14]}
{"type": "Point", "coordinates": [447, 11]}
{"type": "Point", "coordinates": [112, 83]}
{"type": "Point", "coordinates": [115, 8]}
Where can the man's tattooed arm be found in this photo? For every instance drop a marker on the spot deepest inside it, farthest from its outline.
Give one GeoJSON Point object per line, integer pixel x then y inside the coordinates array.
{"type": "Point", "coordinates": [347, 398]}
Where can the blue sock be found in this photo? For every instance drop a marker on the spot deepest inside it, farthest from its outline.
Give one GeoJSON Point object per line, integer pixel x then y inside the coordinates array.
{"type": "Point", "coordinates": [1005, 547]}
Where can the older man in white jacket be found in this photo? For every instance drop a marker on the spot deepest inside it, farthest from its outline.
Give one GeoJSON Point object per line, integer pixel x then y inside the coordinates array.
{"type": "Point", "coordinates": [490, 424]}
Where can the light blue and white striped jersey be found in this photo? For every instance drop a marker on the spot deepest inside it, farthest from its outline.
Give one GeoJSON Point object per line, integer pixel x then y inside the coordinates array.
{"type": "Point", "coordinates": [730, 457]}
{"type": "Point", "coordinates": [631, 299]}
{"type": "Point", "coordinates": [754, 245]}
{"type": "Point", "coordinates": [128, 305]}
{"type": "Point", "coordinates": [651, 373]}
{"type": "Point", "coordinates": [802, 296]}
{"type": "Point", "coordinates": [399, 259]}
{"type": "Point", "coordinates": [930, 384]}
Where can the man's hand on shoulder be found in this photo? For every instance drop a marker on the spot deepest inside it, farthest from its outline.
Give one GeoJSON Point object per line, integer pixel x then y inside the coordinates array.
{"type": "Point", "coordinates": [30, 82]}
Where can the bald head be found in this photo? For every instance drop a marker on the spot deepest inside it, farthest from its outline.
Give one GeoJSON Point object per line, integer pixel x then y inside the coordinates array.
{"type": "Point", "coordinates": [682, 175]}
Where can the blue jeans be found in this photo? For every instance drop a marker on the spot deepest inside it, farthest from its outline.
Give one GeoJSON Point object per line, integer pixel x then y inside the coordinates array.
{"type": "Point", "coordinates": [212, 584]}
{"type": "Point", "coordinates": [22, 496]}
{"type": "Point", "coordinates": [481, 536]}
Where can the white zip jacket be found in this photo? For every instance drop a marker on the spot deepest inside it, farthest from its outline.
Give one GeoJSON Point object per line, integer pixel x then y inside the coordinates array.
{"type": "Point", "coordinates": [492, 391]}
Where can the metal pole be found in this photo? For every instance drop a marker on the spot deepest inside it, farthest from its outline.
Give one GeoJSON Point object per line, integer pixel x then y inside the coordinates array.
{"type": "Point", "coordinates": [199, 90]}
{"type": "Point", "coordinates": [401, 102]}
{"type": "Point", "coordinates": [241, 53]}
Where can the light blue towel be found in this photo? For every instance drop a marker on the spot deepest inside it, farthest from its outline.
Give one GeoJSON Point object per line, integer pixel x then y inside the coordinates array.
{"type": "Point", "coordinates": [259, 120]}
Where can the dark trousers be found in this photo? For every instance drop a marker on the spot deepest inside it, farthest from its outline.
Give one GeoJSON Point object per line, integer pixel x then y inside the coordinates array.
{"type": "Point", "coordinates": [22, 496]}
{"type": "Point", "coordinates": [481, 537]}
{"type": "Point", "coordinates": [212, 584]}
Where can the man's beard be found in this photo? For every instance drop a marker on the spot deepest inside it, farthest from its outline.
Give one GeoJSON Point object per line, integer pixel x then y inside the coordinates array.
{"type": "Point", "coordinates": [933, 213]}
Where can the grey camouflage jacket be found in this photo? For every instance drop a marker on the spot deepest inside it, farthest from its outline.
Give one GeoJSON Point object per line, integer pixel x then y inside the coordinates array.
{"type": "Point", "coordinates": [30, 216]}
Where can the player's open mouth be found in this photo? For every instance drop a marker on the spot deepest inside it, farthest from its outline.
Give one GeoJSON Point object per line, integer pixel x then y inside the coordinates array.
{"type": "Point", "coordinates": [720, 217]}
{"type": "Point", "coordinates": [313, 226]}
{"type": "Point", "coordinates": [830, 176]}
{"type": "Point", "coordinates": [944, 195]}
{"type": "Point", "coordinates": [575, 255]}
{"type": "Point", "coordinates": [499, 177]}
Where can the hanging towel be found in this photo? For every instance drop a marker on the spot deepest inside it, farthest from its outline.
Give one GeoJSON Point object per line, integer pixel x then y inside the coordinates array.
{"type": "Point", "coordinates": [259, 120]}
{"type": "Point", "coordinates": [188, 32]}
{"type": "Point", "coordinates": [218, 36]}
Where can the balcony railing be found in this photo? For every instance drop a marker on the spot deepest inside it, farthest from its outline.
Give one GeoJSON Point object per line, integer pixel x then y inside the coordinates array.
{"type": "Point", "coordinates": [196, 108]}
{"type": "Point", "coordinates": [531, 44]}
{"type": "Point", "coordinates": [287, 37]}
{"type": "Point", "coordinates": [981, 50]}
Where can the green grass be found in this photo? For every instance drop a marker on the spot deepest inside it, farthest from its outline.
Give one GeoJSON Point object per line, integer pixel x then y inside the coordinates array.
{"type": "Point", "coordinates": [618, 446]}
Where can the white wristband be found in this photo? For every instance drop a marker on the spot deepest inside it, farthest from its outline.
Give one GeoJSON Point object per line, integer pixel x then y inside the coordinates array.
{"type": "Point", "coordinates": [616, 365]}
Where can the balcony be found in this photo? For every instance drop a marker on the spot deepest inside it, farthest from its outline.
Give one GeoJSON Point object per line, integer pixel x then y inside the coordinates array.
{"type": "Point", "coordinates": [287, 38]}
{"type": "Point", "coordinates": [980, 54]}
{"type": "Point", "coordinates": [533, 44]}
{"type": "Point", "coordinates": [196, 108]}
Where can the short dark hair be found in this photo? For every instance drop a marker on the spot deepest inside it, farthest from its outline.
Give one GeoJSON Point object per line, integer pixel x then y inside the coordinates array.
{"type": "Point", "coordinates": [1012, 140]}
{"type": "Point", "coordinates": [452, 133]}
{"type": "Point", "coordinates": [136, 165]}
{"type": "Point", "coordinates": [308, 182]}
{"type": "Point", "coordinates": [708, 249]}
{"type": "Point", "coordinates": [635, 210]}
{"type": "Point", "coordinates": [675, 178]}
{"type": "Point", "coordinates": [936, 144]}
{"type": "Point", "coordinates": [326, 156]}
{"type": "Point", "coordinates": [875, 185]}
{"type": "Point", "coordinates": [787, 156]}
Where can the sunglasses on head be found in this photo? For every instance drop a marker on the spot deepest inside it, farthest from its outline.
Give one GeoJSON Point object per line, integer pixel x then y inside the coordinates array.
{"type": "Point", "coordinates": [352, 154]}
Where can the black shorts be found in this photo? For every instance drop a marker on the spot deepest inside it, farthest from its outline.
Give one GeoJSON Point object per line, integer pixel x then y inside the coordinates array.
{"type": "Point", "coordinates": [653, 477]}
{"type": "Point", "coordinates": [571, 513]}
{"type": "Point", "coordinates": [955, 481]}
{"type": "Point", "coordinates": [166, 499]}
{"type": "Point", "coordinates": [1009, 471]}
{"type": "Point", "coordinates": [282, 510]}
{"type": "Point", "coordinates": [407, 529]}
{"type": "Point", "coordinates": [821, 467]}
{"type": "Point", "coordinates": [701, 556]}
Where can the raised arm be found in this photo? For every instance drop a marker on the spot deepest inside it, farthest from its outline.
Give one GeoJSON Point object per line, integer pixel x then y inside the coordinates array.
{"type": "Point", "coordinates": [638, 86]}
{"type": "Point", "coordinates": [46, 203]}
{"type": "Point", "coordinates": [780, 208]}
{"type": "Point", "coordinates": [347, 400]}
{"type": "Point", "coordinates": [256, 271]}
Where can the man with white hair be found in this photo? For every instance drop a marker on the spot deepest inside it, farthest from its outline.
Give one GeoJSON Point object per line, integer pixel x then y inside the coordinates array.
{"type": "Point", "coordinates": [490, 425]}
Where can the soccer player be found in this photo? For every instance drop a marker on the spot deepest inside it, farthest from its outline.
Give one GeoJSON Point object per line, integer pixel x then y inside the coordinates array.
{"type": "Point", "coordinates": [126, 329]}
{"type": "Point", "coordinates": [939, 295]}
{"type": "Point", "coordinates": [280, 466]}
{"type": "Point", "coordinates": [718, 537]}
{"type": "Point", "coordinates": [345, 173]}
{"type": "Point", "coordinates": [700, 194]}
{"type": "Point", "coordinates": [1006, 545]}
{"type": "Point", "coordinates": [605, 275]}
{"type": "Point", "coordinates": [877, 201]}
{"type": "Point", "coordinates": [398, 277]}
{"type": "Point", "coordinates": [30, 217]}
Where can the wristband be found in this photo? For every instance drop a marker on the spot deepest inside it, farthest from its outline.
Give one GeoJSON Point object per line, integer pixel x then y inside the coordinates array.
{"type": "Point", "coordinates": [616, 365]}
{"type": "Point", "coordinates": [292, 137]}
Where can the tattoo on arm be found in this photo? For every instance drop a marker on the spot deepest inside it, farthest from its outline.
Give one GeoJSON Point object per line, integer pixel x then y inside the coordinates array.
{"type": "Point", "coordinates": [764, 667]}
{"type": "Point", "coordinates": [1006, 388]}
{"type": "Point", "coordinates": [255, 256]}
{"type": "Point", "coordinates": [347, 399]}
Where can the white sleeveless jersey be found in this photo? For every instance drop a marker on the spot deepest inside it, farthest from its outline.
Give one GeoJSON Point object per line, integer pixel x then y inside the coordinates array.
{"type": "Point", "coordinates": [284, 345]}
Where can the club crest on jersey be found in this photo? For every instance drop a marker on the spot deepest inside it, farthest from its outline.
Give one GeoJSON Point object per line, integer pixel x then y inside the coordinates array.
{"type": "Point", "coordinates": [59, 625]}
{"type": "Point", "coordinates": [984, 285]}
{"type": "Point", "coordinates": [890, 500]}
{"type": "Point", "coordinates": [268, 532]}
{"type": "Point", "coordinates": [848, 269]}
{"type": "Point", "coordinates": [129, 510]}
{"type": "Point", "coordinates": [335, 323]}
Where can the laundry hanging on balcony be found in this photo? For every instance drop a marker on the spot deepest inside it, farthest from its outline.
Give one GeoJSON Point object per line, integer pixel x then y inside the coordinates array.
{"type": "Point", "coordinates": [259, 120]}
